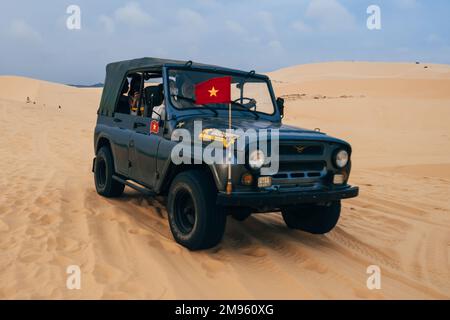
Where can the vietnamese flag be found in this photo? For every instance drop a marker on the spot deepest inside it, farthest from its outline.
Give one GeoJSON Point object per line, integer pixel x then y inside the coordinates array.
{"type": "Point", "coordinates": [215, 90]}
{"type": "Point", "coordinates": [154, 126]}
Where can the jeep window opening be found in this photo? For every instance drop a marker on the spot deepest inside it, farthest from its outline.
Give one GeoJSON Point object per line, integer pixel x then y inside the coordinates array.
{"type": "Point", "coordinates": [147, 78]}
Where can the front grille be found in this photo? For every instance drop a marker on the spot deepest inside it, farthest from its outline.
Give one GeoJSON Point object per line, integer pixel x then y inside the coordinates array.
{"type": "Point", "coordinates": [299, 174]}
{"type": "Point", "coordinates": [296, 175]}
{"type": "Point", "coordinates": [301, 166]}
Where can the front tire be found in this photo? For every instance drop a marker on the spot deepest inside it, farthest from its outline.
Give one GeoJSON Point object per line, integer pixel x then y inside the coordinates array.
{"type": "Point", "coordinates": [103, 172]}
{"type": "Point", "coordinates": [195, 220]}
{"type": "Point", "coordinates": [313, 218]}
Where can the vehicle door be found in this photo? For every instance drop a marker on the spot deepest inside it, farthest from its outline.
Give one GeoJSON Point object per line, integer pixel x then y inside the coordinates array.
{"type": "Point", "coordinates": [144, 143]}
{"type": "Point", "coordinates": [120, 139]}
{"type": "Point", "coordinates": [146, 135]}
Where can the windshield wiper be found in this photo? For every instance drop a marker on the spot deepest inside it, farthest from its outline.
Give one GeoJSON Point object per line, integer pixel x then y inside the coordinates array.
{"type": "Point", "coordinates": [193, 101]}
{"type": "Point", "coordinates": [244, 108]}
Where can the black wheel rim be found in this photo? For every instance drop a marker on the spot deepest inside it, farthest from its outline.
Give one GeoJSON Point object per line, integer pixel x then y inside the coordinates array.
{"type": "Point", "coordinates": [184, 211]}
{"type": "Point", "coordinates": [101, 172]}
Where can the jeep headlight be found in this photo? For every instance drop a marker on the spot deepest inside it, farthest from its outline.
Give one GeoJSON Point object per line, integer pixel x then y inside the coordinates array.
{"type": "Point", "coordinates": [341, 158]}
{"type": "Point", "coordinates": [256, 159]}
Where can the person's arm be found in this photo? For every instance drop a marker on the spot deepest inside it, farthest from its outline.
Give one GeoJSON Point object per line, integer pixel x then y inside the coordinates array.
{"type": "Point", "coordinates": [134, 102]}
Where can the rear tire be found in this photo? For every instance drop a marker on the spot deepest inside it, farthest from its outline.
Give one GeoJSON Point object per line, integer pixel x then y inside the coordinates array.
{"type": "Point", "coordinates": [195, 220]}
{"type": "Point", "coordinates": [313, 218]}
{"type": "Point", "coordinates": [103, 172]}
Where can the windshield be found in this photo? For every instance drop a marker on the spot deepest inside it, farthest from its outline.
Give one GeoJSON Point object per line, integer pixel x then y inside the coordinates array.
{"type": "Point", "coordinates": [248, 94]}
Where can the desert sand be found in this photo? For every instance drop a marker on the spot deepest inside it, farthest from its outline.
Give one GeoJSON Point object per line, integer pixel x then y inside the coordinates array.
{"type": "Point", "coordinates": [396, 116]}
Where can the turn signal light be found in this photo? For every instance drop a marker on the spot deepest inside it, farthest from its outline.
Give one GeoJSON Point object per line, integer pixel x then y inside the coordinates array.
{"type": "Point", "coordinates": [247, 179]}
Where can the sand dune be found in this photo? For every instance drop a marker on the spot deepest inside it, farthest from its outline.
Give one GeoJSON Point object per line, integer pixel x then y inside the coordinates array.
{"type": "Point", "coordinates": [395, 116]}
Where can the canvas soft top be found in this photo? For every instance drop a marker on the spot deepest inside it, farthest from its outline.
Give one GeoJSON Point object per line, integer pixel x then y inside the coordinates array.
{"type": "Point", "coordinates": [116, 72]}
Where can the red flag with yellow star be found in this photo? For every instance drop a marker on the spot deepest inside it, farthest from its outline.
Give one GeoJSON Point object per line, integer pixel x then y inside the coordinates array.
{"type": "Point", "coordinates": [154, 126]}
{"type": "Point", "coordinates": [215, 90]}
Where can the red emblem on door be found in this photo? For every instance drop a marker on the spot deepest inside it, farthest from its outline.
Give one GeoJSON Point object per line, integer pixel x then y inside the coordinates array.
{"type": "Point", "coordinates": [154, 126]}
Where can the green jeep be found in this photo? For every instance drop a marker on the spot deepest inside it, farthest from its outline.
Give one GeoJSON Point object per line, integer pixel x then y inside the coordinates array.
{"type": "Point", "coordinates": [136, 134]}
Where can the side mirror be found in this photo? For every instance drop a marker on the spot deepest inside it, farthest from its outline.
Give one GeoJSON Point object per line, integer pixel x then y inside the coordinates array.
{"type": "Point", "coordinates": [280, 105]}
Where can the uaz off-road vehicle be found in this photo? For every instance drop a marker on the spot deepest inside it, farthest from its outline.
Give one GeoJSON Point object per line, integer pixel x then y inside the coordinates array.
{"type": "Point", "coordinates": [145, 100]}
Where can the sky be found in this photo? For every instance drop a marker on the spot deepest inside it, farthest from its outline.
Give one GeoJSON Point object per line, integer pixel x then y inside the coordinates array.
{"type": "Point", "coordinates": [245, 34]}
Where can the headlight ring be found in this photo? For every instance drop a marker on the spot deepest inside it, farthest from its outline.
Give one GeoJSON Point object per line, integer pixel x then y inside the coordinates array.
{"type": "Point", "coordinates": [341, 158]}
{"type": "Point", "coordinates": [256, 159]}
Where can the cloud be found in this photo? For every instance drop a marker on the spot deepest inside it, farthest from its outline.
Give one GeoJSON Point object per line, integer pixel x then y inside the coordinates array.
{"type": "Point", "coordinates": [235, 27]}
{"type": "Point", "coordinates": [20, 30]}
{"type": "Point", "coordinates": [107, 23]}
{"type": "Point", "coordinates": [207, 3]}
{"type": "Point", "coordinates": [301, 27]}
{"type": "Point", "coordinates": [133, 15]}
{"type": "Point", "coordinates": [266, 19]}
{"type": "Point", "coordinates": [276, 46]}
{"type": "Point", "coordinates": [191, 18]}
{"type": "Point", "coordinates": [330, 15]}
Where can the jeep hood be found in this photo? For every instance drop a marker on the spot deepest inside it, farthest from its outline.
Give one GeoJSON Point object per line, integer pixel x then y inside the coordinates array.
{"type": "Point", "coordinates": [286, 132]}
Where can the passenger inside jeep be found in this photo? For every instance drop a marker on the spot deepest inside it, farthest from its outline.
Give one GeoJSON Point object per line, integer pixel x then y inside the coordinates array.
{"type": "Point", "coordinates": [142, 96]}
{"type": "Point", "coordinates": [182, 90]}
{"type": "Point", "coordinates": [153, 96]}
{"type": "Point", "coordinates": [134, 95]}
{"type": "Point", "coordinates": [123, 105]}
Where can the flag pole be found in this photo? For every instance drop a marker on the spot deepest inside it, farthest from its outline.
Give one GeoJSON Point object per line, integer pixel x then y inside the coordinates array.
{"type": "Point", "coordinates": [229, 184]}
